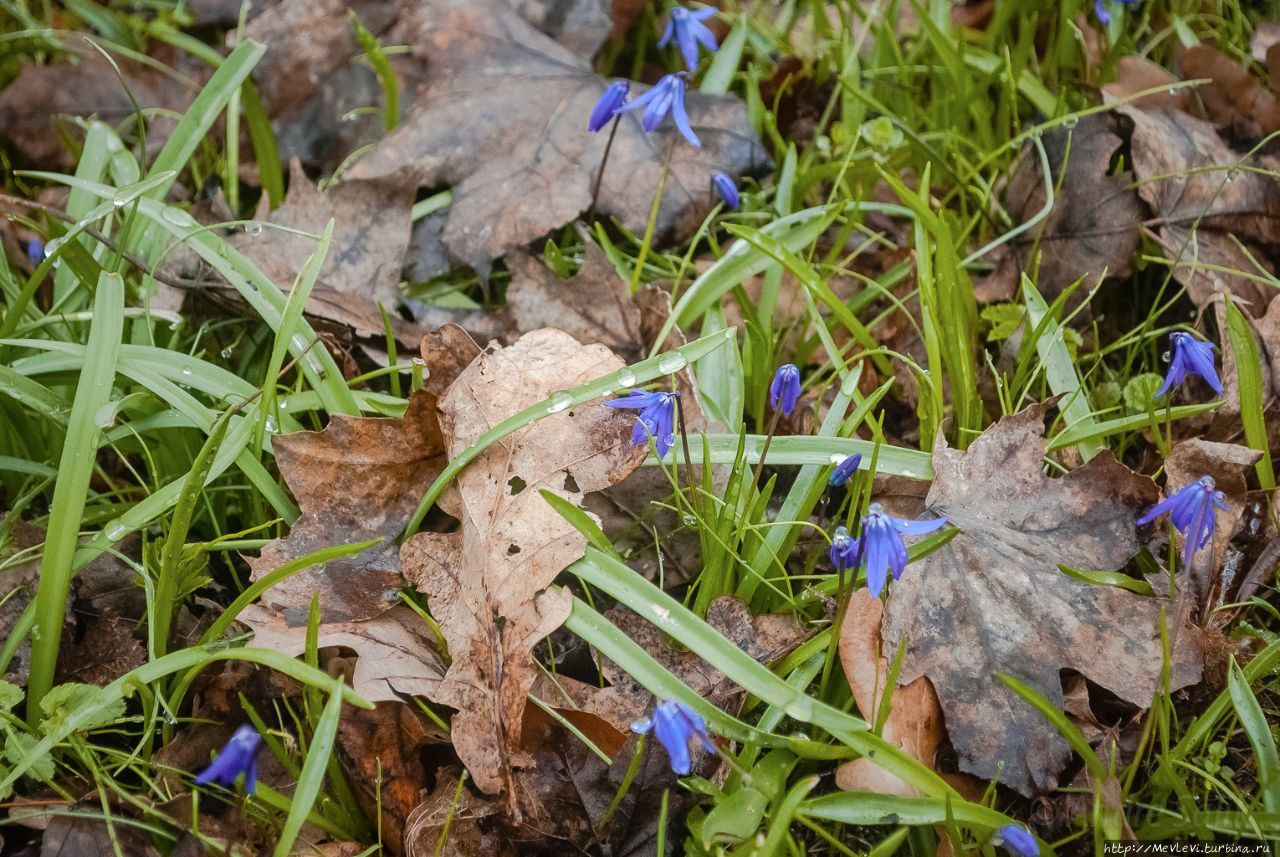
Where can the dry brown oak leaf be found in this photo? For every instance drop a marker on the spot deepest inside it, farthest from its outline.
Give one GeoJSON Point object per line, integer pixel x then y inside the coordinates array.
{"type": "Point", "coordinates": [487, 585]}
{"type": "Point", "coordinates": [502, 116]}
{"type": "Point", "coordinates": [993, 600]}
{"type": "Point", "coordinates": [359, 479]}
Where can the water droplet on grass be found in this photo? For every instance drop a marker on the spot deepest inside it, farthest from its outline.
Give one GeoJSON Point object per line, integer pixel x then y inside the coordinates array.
{"type": "Point", "coordinates": [558, 402]}
{"type": "Point", "coordinates": [253, 228]}
{"type": "Point", "coordinates": [115, 531]}
{"type": "Point", "coordinates": [626, 378]}
{"type": "Point", "coordinates": [672, 361]}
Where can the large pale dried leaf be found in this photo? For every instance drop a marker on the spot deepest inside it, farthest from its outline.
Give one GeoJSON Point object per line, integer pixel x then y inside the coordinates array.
{"type": "Point", "coordinates": [1206, 203]}
{"type": "Point", "coordinates": [594, 305]}
{"type": "Point", "coordinates": [370, 235]}
{"type": "Point", "coordinates": [993, 600]}
{"type": "Point", "coordinates": [358, 479]}
{"type": "Point", "coordinates": [395, 653]}
{"type": "Point", "coordinates": [488, 584]}
{"type": "Point", "coordinates": [502, 119]}
{"type": "Point", "coordinates": [1094, 223]}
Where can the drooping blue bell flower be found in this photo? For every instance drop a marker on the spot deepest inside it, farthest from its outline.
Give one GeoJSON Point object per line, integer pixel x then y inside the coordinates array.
{"type": "Point", "coordinates": [238, 756]}
{"type": "Point", "coordinates": [844, 470]}
{"type": "Point", "coordinates": [726, 188]}
{"type": "Point", "coordinates": [1191, 356]}
{"type": "Point", "coordinates": [784, 392]}
{"type": "Point", "coordinates": [674, 723]}
{"type": "Point", "coordinates": [609, 105]}
{"type": "Point", "coordinates": [844, 550]}
{"type": "Point", "coordinates": [656, 418]}
{"type": "Point", "coordinates": [35, 251]}
{"type": "Point", "coordinates": [1100, 9]}
{"type": "Point", "coordinates": [1017, 840]}
{"type": "Point", "coordinates": [666, 96]}
{"type": "Point", "coordinates": [689, 32]}
{"type": "Point", "coordinates": [883, 550]}
{"type": "Point", "coordinates": [1190, 509]}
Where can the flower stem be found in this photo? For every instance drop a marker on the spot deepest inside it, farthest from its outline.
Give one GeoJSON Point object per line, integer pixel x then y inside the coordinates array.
{"type": "Point", "coordinates": [694, 497]}
{"type": "Point", "coordinates": [651, 226]}
{"type": "Point", "coordinates": [768, 439]}
{"type": "Point", "coordinates": [604, 159]}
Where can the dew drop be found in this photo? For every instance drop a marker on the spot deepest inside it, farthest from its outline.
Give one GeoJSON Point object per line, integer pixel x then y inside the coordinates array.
{"type": "Point", "coordinates": [641, 724]}
{"type": "Point", "coordinates": [559, 401]}
{"type": "Point", "coordinates": [186, 370]}
{"type": "Point", "coordinates": [1232, 174]}
{"type": "Point", "coordinates": [226, 353]}
{"type": "Point", "coordinates": [800, 735]}
{"type": "Point", "coordinates": [1173, 92]}
{"type": "Point", "coordinates": [672, 361]}
{"type": "Point", "coordinates": [689, 520]}
{"type": "Point", "coordinates": [1071, 122]}
{"type": "Point", "coordinates": [115, 531]}
{"type": "Point", "coordinates": [1165, 357]}
{"type": "Point", "coordinates": [253, 228]}
{"type": "Point", "coordinates": [53, 246]}
{"type": "Point", "coordinates": [269, 424]}
{"type": "Point", "coordinates": [121, 198]}
{"type": "Point", "coordinates": [626, 378]}
{"type": "Point", "coordinates": [836, 458]}
{"type": "Point", "coordinates": [800, 708]}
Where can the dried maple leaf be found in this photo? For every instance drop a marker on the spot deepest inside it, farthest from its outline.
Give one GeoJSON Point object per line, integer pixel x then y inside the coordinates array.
{"type": "Point", "coordinates": [488, 584]}
{"type": "Point", "coordinates": [993, 600]}
{"type": "Point", "coordinates": [501, 118]}
{"type": "Point", "coordinates": [359, 479]}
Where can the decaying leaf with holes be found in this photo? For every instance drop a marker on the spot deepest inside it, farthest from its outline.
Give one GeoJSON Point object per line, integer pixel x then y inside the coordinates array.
{"type": "Point", "coordinates": [488, 583]}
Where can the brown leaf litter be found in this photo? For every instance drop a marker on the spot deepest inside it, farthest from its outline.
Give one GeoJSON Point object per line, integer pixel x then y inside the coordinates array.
{"type": "Point", "coordinates": [500, 117]}
{"type": "Point", "coordinates": [488, 585]}
{"type": "Point", "coordinates": [993, 600]}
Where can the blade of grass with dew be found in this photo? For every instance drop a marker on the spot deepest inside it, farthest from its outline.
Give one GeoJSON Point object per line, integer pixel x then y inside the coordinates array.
{"type": "Point", "coordinates": [1258, 729]}
{"type": "Point", "coordinates": [869, 809]}
{"type": "Point", "coordinates": [1068, 730]}
{"type": "Point", "coordinates": [1249, 373]}
{"type": "Point", "coordinates": [808, 449]}
{"type": "Point", "coordinates": [256, 288]}
{"type": "Point", "coordinates": [1060, 371]}
{"type": "Point", "coordinates": [1099, 430]}
{"type": "Point", "coordinates": [620, 381]}
{"type": "Point", "coordinates": [673, 618]}
{"type": "Point", "coordinates": [98, 140]}
{"type": "Point", "coordinates": [75, 469]}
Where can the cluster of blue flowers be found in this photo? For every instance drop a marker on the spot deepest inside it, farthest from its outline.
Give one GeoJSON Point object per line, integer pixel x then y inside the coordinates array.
{"type": "Point", "coordinates": [666, 97]}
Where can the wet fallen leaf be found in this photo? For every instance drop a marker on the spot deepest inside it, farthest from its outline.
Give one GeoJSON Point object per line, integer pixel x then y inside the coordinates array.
{"type": "Point", "coordinates": [87, 836]}
{"type": "Point", "coordinates": [501, 118]}
{"type": "Point", "coordinates": [83, 85]}
{"type": "Point", "coordinates": [362, 267]}
{"type": "Point", "coordinates": [360, 478]}
{"type": "Point", "coordinates": [488, 584]}
{"type": "Point", "coordinates": [382, 750]}
{"type": "Point", "coordinates": [1234, 98]}
{"type": "Point", "coordinates": [1093, 226]}
{"type": "Point", "coordinates": [102, 649]}
{"type": "Point", "coordinates": [1136, 74]}
{"type": "Point", "coordinates": [1207, 201]}
{"type": "Point", "coordinates": [594, 305]}
{"type": "Point", "coordinates": [993, 600]}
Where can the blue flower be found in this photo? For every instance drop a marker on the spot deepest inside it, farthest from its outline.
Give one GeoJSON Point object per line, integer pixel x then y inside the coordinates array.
{"type": "Point", "coordinates": [35, 251]}
{"type": "Point", "coordinates": [609, 105]}
{"type": "Point", "coordinates": [726, 188]}
{"type": "Point", "coordinates": [844, 550]}
{"type": "Point", "coordinates": [1190, 356]}
{"type": "Point", "coordinates": [1191, 511]}
{"type": "Point", "coordinates": [844, 470]}
{"type": "Point", "coordinates": [239, 756]}
{"type": "Point", "coordinates": [666, 96]}
{"type": "Point", "coordinates": [1100, 9]}
{"type": "Point", "coordinates": [675, 723]}
{"type": "Point", "coordinates": [1017, 840]}
{"type": "Point", "coordinates": [656, 419]}
{"type": "Point", "coordinates": [785, 389]}
{"type": "Point", "coordinates": [689, 31]}
{"type": "Point", "coordinates": [883, 550]}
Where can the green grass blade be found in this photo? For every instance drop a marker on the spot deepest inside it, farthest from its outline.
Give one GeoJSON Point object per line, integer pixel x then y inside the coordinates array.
{"type": "Point", "coordinates": [314, 770]}
{"type": "Point", "coordinates": [1068, 730]}
{"type": "Point", "coordinates": [75, 469]}
{"type": "Point", "coordinates": [1060, 371]}
{"type": "Point", "coordinates": [812, 450]}
{"type": "Point", "coordinates": [1249, 374]}
{"type": "Point", "coordinates": [1258, 729]}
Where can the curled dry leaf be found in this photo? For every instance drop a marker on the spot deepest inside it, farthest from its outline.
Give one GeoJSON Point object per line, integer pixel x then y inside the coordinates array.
{"type": "Point", "coordinates": [1207, 201]}
{"type": "Point", "coordinates": [501, 118]}
{"type": "Point", "coordinates": [362, 267]}
{"type": "Point", "coordinates": [488, 584]}
{"type": "Point", "coordinates": [993, 600]}
{"type": "Point", "coordinates": [359, 479]}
